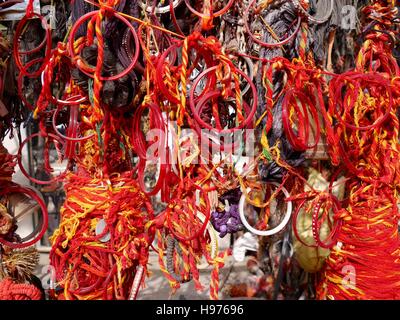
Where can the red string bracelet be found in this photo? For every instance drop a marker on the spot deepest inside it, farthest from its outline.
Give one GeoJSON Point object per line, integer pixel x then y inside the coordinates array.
{"type": "Point", "coordinates": [59, 59]}
{"type": "Point", "coordinates": [187, 207]}
{"type": "Point", "coordinates": [330, 241]}
{"type": "Point", "coordinates": [83, 66]}
{"type": "Point", "coordinates": [56, 140]}
{"type": "Point", "coordinates": [300, 143]}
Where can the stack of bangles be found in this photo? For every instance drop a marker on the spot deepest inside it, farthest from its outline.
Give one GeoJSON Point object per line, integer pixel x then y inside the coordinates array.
{"type": "Point", "coordinates": [170, 125]}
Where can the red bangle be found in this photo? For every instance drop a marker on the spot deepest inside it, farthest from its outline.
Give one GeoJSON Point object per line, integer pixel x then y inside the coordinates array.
{"type": "Point", "coordinates": [173, 17]}
{"type": "Point", "coordinates": [160, 72]}
{"type": "Point", "coordinates": [316, 225]}
{"type": "Point", "coordinates": [86, 69]}
{"type": "Point", "coordinates": [300, 143]}
{"type": "Point", "coordinates": [22, 168]}
{"type": "Point", "coordinates": [141, 146]}
{"type": "Point", "coordinates": [47, 78]}
{"type": "Point", "coordinates": [72, 131]}
{"type": "Point", "coordinates": [217, 146]}
{"type": "Point", "coordinates": [262, 43]}
{"type": "Point", "coordinates": [35, 236]}
{"type": "Point", "coordinates": [17, 37]}
{"type": "Point", "coordinates": [214, 94]}
{"type": "Point", "coordinates": [20, 84]}
{"type": "Point", "coordinates": [156, 121]}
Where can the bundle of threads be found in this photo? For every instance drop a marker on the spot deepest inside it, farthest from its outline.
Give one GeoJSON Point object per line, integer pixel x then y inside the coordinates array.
{"type": "Point", "coordinates": [364, 264]}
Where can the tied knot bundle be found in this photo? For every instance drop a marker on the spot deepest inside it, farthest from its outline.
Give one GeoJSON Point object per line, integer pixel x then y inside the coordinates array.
{"type": "Point", "coordinates": [9, 290]}
{"type": "Point", "coordinates": [93, 262]}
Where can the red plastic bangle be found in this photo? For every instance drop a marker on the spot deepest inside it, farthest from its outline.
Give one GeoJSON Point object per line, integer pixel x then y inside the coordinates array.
{"type": "Point", "coordinates": [14, 188]}
{"type": "Point", "coordinates": [47, 77]}
{"type": "Point", "coordinates": [82, 66]}
{"type": "Point", "coordinates": [20, 84]}
{"type": "Point", "coordinates": [156, 120]}
{"type": "Point", "coordinates": [332, 237]}
{"type": "Point", "coordinates": [262, 43]}
{"type": "Point", "coordinates": [22, 168]}
{"type": "Point", "coordinates": [18, 32]}
{"type": "Point", "coordinates": [72, 130]}
{"type": "Point", "coordinates": [300, 143]}
{"type": "Point", "coordinates": [173, 17]}
{"type": "Point", "coordinates": [160, 72]}
{"type": "Point", "coordinates": [140, 144]}
{"type": "Point", "coordinates": [214, 94]}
